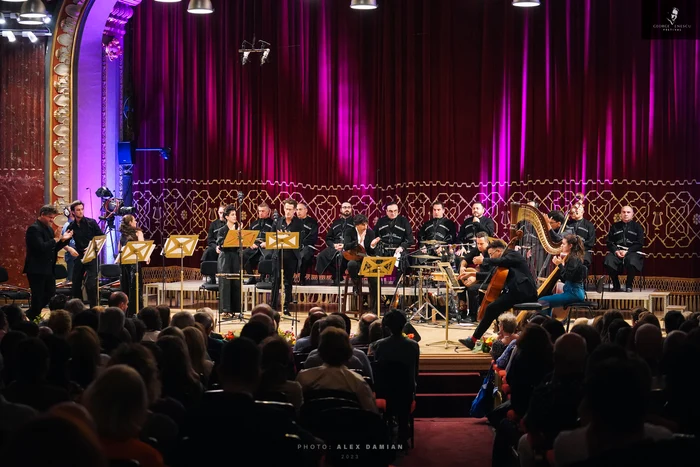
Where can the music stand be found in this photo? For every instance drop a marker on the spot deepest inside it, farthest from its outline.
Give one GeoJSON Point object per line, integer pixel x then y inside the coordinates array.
{"type": "Point", "coordinates": [282, 241]}
{"type": "Point", "coordinates": [179, 246]}
{"type": "Point", "coordinates": [451, 282]}
{"type": "Point", "coordinates": [134, 253]}
{"type": "Point", "coordinates": [92, 251]}
{"type": "Point", "coordinates": [238, 239]}
{"type": "Point", "coordinates": [377, 266]}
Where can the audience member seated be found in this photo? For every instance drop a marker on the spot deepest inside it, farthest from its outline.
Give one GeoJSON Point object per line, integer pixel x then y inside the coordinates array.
{"type": "Point", "coordinates": [30, 328]}
{"type": "Point", "coordinates": [13, 315]}
{"type": "Point", "coordinates": [589, 334]}
{"type": "Point", "coordinates": [335, 350]}
{"type": "Point", "coordinates": [531, 363]}
{"type": "Point", "coordinates": [75, 306]}
{"type": "Point", "coordinates": [179, 379]}
{"type": "Point", "coordinates": [647, 317]}
{"type": "Point", "coordinates": [303, 343]}
{"type": "Point", "coordinates": [8, 350]}
{"type": "Point", "coordinates": [86, 318]}
{"type": "Point", "coordinates": [266, 309]}
{"type": "Point", "coordinates": [608, 318]}
{"type": "Point", "coordinates": [555, 328]}
{"type": "Point", "coordinates": [554, 403]}
{"type": "Point", "coordinates": [214, 345]}
{"type": "Point", "coordinates": [13, 416]}
{"type": "Point", "coordinates": [118, 402]}
{"type": "Point", "coordinates": [358, 359]}
{"type": "Point", "coordinates": [111, 329]}
{"type": "Point", "coordinates": [182, 319]}
{"type": "Point", "coordinates": [60, 323]}
{"type": "Point", "coordinates": [59, 359]}
{"type": "Point", "coordinates": [276, 365]}
{"type": "Point", "coordinates": [648, 344]}
{"type": "Point", "coordinates": [119, 300]}
{"type": "Point", "coordinates": [232, 416]}
{"type": "Point", "coordinates": [197, 351]}
{"type": "Point", "coordinates": [171, 331]}
{"type": "Point", "coordinates": [681, 382]}
{"type": "Point", "coordinates": [258, 329]}
{"type": "Point", "coordinates": [84, 355]}
{"type": "Point", "coordinates": [30, 386]}
{"type": "Point", "coordinates": [507, 325]}
{"type": "Point", "coordinates": [346, 320]}
{"type": "Point", "coordinates": [164, 312]}
{"type": "Point", "coordinates": [361, 339]}
{"type": "Point", "coordinates": [673, 321]}
{"type": "Point", "coordinates": [58, 302]}
{"type": "Point", "coordinates": [376, 333]}
{"type": "Point", "coordinates": [396, 348]}
{"type": "Point", "coordinates": [636, 312]}
{"type": "Point", "coordinates": [688, 325]}
{"type": "Point", "coordinates": [616, 396]}
{"type": "Point", "coordinates": [150, 317]}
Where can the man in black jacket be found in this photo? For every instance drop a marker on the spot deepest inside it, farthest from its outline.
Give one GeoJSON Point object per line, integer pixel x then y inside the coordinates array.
{"type": "Point", "coordinates": [309, 237]}
{"type": "Point", "coordinates": [290, 257]}
{"type": "Point", "coordinates": [476, 223]}
{"type": "Point", "coordinates": [519, 286]}
{"type": "Point", "coordinates": [395, 233]}
{"type": "Point", "coordinates": [331, 259]}
{"type": "Point", "coordinates": [84, 229]}
{"type": "Point", "coordinates": [256, 253]}
{"type": "Point", "coordinates": [43, 245]}
{"type": "Point", "coordinates": [361, 235]}
{"type": "Point", "coordinates": [474, 283]}
{"type": "Point", "coordinates": [625, 242]}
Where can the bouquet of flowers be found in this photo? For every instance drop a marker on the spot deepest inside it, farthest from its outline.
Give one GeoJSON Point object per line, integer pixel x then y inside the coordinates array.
{"type": "Point", "coordinates": [229, 336]}
{"type": "Point", "coordinates": [288, 336]}
{"type": "Point", "coordinates": [485, 345]}
{"type": "Point", "coordinates": [409, 336]}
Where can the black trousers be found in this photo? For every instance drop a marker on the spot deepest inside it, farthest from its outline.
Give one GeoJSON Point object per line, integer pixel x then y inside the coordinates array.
{"type": "Point", "coordinates": [502, 304]}
{"type": "Point", "coordinates": [229, 289]}
{"type": "Point", "coordinates": [474, 298]}
{"type": "Point", "coordinates": [128, 286]}
{"type": "Point", "coordinates": [43, 287]}
{"type": "Point", "coordinates": [291, 262]}
{"type": "Point", "coordinates": [252, 257]}
{"type": "Point", "coordinates": [88, 273]}
{"type": "Point", "coordinates": [307, 257]}
{"type": "Point", "coordinates": [632, 263]}
{"type": "Point", "coordinates": [353, 271]}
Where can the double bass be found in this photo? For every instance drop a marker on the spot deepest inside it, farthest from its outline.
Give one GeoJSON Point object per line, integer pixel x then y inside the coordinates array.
{"type": "Point", "coordinates": [498, 280]}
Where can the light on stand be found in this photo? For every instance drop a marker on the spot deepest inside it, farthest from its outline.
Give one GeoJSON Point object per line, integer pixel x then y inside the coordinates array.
{"type": "Point", "coordinates": [200, 7]}
{"type": "Point", "coordinates": [363, 4]}
{"type": "Point", "coordinates": [526, 3]}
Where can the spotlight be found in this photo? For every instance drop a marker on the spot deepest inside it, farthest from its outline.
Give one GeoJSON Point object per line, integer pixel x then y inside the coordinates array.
{"type": "Point", "coordinates": [526, 3]}
{"type": "Point", "coordinates": [47, 20]}
{"type": "Point", "coordinates": [200, 7]}
{"type": "Point", "coordinates": [32, 37]}
{"type": "Point", "coordinates": [363, 4]}
{"type": "Point", "coordinates": [10, 36]}
{"type": "Point", "coordinates": [2, 18]}
{"type": "Point", "coordinates": [168, 1]}
{"type": "Point", "coordinates": [263, 59]}
{"type": "Point", "coordinates": [104, 192]}
{"type": "Point", "coordinates": [33, 9]}
{"type": "Point", "coordinates": [244, 60]}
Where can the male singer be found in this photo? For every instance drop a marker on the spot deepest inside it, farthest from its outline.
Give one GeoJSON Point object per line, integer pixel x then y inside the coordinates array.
{"type": "Point", "coordinates": [43, 245]}
{"type": "Point", "coordinates": [309, 237]}
{"type": "Point", "coordinates": [290, 258]}
{"type": "Point", "coordinates": [84, 230]}
{"type": "Point", "coordinates": [253, 255]}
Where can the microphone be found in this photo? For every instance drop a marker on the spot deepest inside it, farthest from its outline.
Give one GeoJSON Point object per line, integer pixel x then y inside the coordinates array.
{"type": "Point", "coordinates": [275, 215]}
{"type": "Point", "coordinates": [240, 196]}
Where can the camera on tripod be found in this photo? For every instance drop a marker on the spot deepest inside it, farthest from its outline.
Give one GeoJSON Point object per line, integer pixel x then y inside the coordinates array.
{"type": "Point", "coordinates": [112, 206]}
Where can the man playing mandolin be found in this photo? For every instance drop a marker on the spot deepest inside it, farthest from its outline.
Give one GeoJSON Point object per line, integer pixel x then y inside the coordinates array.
{"type": "Point", "coordinates": [360, 241]}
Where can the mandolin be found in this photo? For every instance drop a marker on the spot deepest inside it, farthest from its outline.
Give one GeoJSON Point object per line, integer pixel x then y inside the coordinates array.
{"type": "Point", "coordinates": [355, 254]}
{"type": "Point", "coordinates": [498, 280]}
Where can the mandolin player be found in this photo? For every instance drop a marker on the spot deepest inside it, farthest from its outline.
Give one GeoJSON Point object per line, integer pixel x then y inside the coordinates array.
{"type": "Point", "coordinates": [360, 241]}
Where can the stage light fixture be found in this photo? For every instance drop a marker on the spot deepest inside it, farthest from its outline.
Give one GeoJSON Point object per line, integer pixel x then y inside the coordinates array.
{"type": "Point", "coordinates": [200, 7]}
{"type": "Point", "coordinates": [10, 36]}
{"type": "Point", "coordinates": [2, 18]}
{"type": "Point", "coordinates": [244, 59]}
{"type": "Point", "coordinates": [526, 3]}
{"type": "Point", "coordinates": [168, 1]}
{"type": "Point", "coordinates": [363, 4]}
{"type": "Point", "coordinates": [31, 21]}
{"type": "Point", "coordinates": [266, 52]}
{"type": "Point", "coordinates": [47, 20]}
{"type": "Point", "coordinates": [33, 9]}
{"type": "Point", "coordinates": [29, 34]}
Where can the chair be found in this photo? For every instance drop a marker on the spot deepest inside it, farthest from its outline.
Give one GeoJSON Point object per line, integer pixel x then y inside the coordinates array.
{"type": "Point", "coordinates": [527, 306]}
{"type": "Point", "coordinates": [311, 409]}
{"type": "Point", "coordinates": [265, 268]}
{"type": "Point", "coordinates": [285, 407]}
{"type": "Point", "coordinates": [271, 396]}
{"type": "Point", "coordinates": [299, 359]}
{"type": "Point", "coordinates": [210, 268]}
{"type": "Point", "coordinates": [11, 292]}
{"type": "Point", "coordinates": [60, 272]}
{"type": "Point", "coordinates": [124, 463]}
{"type": "Point", "coordinates": [395, 385]}
{"type": "Point", "coordinates": [113, 273]}
{"type": "Point", "coordinates": [329, 393]}
{"type": "Point", "coordinates": [586, 305]}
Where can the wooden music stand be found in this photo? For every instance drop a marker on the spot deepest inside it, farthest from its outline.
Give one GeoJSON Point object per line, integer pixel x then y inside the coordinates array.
{"type": "Point", "coordinates": [238, 239]}
{"type": "Point", "coordinates": [179, 246]}
{"type": "Point", "coordinates": [93, 252]}
{"type": "Point", "coordinates": [282, 241]}
{"type": "Point", "coordinates": [451, 282]}
{"type": "Point", "coordinates": [377, 266]}
{"type": "Point", "coordinates": [134, 253]}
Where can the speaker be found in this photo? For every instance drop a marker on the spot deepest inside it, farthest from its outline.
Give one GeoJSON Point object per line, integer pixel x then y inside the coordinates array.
{"type": "Point", "coordinates": [125, 152]}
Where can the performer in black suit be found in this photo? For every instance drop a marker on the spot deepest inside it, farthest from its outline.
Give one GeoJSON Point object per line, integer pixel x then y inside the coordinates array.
{"type": "Point", "coordinates": [43, 245]}
{"type": "Point", "coordinates": [438, 228]}
{"type": "Point", "coordinates": [331, 259]}
{"type": "Point", "coordinates": [290, 258]}
{"type": "Point", "coordinates": [253, 255]}
{"type": "Point", "coordinates": [476, 223]}
{"type": "Point", "coordinates": [625, 242]}
{"type": "Point", "coordinates": [309, 237]}
{"type": "Point", "coordinates": [229, 263]}
{"type": "Point", "coordinates": [519, 286]}
{"type": "Point", "coordinates": [474, 283]}
{"type": "Point", "coordinates": [395, 233]}
{"type": "Point", "coordinates": [84, 230]}
{"type": "Point", "coordinates": [211, 253]}
{"type": "Point", "coordinates": [580, 227]}
{"type": "Point", "coordinates": [363, 236]}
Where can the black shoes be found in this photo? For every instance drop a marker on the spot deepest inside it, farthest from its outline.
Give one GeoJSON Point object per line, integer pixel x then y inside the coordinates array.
{"type": "Point", "coordinates": [628, 289]}
{"type": "Point", "coordinates": [616, 289]}
{"type": "Point", "coordinates": [468, 343]}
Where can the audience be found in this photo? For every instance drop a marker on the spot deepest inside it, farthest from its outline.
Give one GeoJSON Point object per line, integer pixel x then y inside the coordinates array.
{"type": "Point", "coordinates": [75, 306]}
{"type": "Point", "coordinates": [361, 339]}
{"type": "Point", "coordinates": [205, 317]}
{"type": "Point", "coordinates": [111, 329]}
{"type": "Point", "coordinates": [85, 356]}
{"type": "Point", "coordinates": [180, 381]}
{"type": "Point", "coordinates": [267, 310]}
{"type": "Point", "coordinates": [197, 351]}
{"type": "Point", "coordinates": [58, 302]}
{"type": "Point", "coordinates": [507, 326]}
{"type": "Point", "coordinates": [119, 300]}
{"type": "Point", "coordinates": [87, 318]}
{"type": "Point", "coordinates": [13, 315]}
{"type": "Point", "coordinates": [303, 343]}
{"type": "Point", "coordinates": [397, 349]}
{"type": "Point", "coordinates": [151, 319]}
{"type": "Point", "coordinates": [182, 319]}
{"type": "Point", "coordinates": [673, 320]}
{"type": "Point", "coordinates": [60, 323]}
{"type": "Point", "coordinates": [164, 312]}
{"type": "Point", "coordinates": [276, 365]}
{"type": "Point", "coordinates": [258, 329]}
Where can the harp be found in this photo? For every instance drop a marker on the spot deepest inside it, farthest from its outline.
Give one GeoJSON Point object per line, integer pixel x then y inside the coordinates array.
{"type": "Point", "coordinates": [525, 214]}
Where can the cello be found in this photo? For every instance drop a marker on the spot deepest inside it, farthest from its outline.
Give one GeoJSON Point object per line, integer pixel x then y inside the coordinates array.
{"type": "Point", "coordinates": [498, 280]}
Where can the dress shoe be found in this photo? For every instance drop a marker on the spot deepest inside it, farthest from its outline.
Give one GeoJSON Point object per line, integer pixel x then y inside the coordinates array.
{"type": "Point", "coordinates": [285, 311]}
{"type": "Point", "coordinates": [250, 281]}
{"type": "Point", "coordinates": [469, 319]}
{"type": "Point", "coordinates": [302, 280]}
{"type": "Point", "coordinates": [628, 289]}
{"type": "Point", "coordinates": [468, 343]}
{"type": "Point", "coordinates": [616, 289]}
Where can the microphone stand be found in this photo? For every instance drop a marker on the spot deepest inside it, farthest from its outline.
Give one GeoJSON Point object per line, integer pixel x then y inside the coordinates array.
{"type": "Point", "coordinates": [240, 255]}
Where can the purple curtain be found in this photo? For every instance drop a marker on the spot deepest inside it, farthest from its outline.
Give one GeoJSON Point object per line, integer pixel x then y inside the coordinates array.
{"type": "Point", "coordinates": [416, 101]}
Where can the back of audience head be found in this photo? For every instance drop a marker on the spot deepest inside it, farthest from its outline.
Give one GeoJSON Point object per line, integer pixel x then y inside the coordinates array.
{"type": "Point", "coordinates": [264, 318]}
{"type": "Point", "coordinates": [32, 358]}
{"type": "Point", "coordinates": [598, 324]}
{"type": "Point", "coordinates": [172, 331]}
{"type": "Point", "coordinates": [604, 351]}
{"type": "Point", "coordinates": [275, 360]}
{"type": "Point", "coordinates": [535, 342]}
{"type": "Point", "coordinates": [608, 318]}
{"type": "Point", "coordinates": [86, 318]}
{"type": "Point", "coordinates": [555, 328]}
{"type": "Point", "coordinates": [112, 321]}
{"type": "Point", "coordinates": [688, 325]}
{"type": "Point", "coordinates": [315, 335]}
{"type": "Point", "coordinates": [614, 327]}
{"type": "Point", "coordinates": [85, 354]}
{"type": "Point", "coordinates": [144, 362]}
{"type": "Point", "coordinates": [648, 342]}
{"type": "Point", "coordinates": [13, 315]}
{"type": "Point", "coordinates": [394, 321]}
{"type": "Point", "coordinates": [8, 348]}
{"type": "Point", "coordinates": [139, 329]}
{"type": "Point", "coordinates": [175, 364]}
{"type": "Point", "coordinates": [346, 320]}
{"type": "Point", "coordinates": [673, 321]}
{"type": "Point", "coordinates": [331, 320]}
{"type": "Point", "coordinates": [151, 318]}
{"type": "Point", "coordinates": [63, 444]}
{"type": "Point", "coordinates": [58, 302]}
{"type": "Point", "coordinates": [118, 402]}
{"type": "Point", "coordinates": [240, 365]}
{"type": "Point", "coordinates": [376, 331]}
{"type": "Point", "coordinates": [118, 300]}
{"type": "Point", "coordinates": [623, 336]}
{"type": "Point", "coordinates": [206, 318]}
{"type": "Point", "coordinates": [258, 329]}
{"type": "Point", "coordinates": [196, 347]}
{"type": "Point", "coordinates": [266, 309]}
{"type": "Point", "coordinates": [334, 347]}
{"type": "Point", "coordinates": [636, 312]}
{"type": "Point", "coordinates": [164, 312]}
{"type": "Point", "coordinates": [60, 322]}
{"type": "Point", "coordinates": [59, 356]}
{"type": "Point", "coordinates": [647, 317]}
{"type": "Point", "coordinates": [75, 306]}
{"type": "Point", "coordinates": [363, 324]}
{"type": "Point", "coordinates": [315, 314]}
{"type": "Point", "coordinates": [30, 328]}
{"type": "Point", "coordinates": [570, 354]}
{"type": "Point", "coordinates": [182, 319]}
{"type": "Point", "coordinates": [538, 320]}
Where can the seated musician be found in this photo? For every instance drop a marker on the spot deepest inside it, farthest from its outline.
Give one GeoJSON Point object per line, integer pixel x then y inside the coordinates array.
{"type": "Point", "coordinates": [438, 228]}
{"type": "Point", "coordinates": [473, 282]}
{"type": "Point", "coordinates": [309, 237]}
{"type": "Point", "coordinates": [394, 230]}
{"type": "Point", "coordinates": [474, 224]}
{"type": "Point", "coordinates": [572, 272]}
{"type": "Point", "coordinates": [625, 242]}
{"type": "Point", "coordinates": [229, 263]}
{"type": "Point", "coordinates": [361, 240]}
{"type": "Point", "coordinates": [331, 261]}
{"type": "Point", "coordinates": [519, 286]}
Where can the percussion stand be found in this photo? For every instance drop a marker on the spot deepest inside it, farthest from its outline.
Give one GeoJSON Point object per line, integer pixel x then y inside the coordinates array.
{"type": "Point", "coordinates": [422, 304]}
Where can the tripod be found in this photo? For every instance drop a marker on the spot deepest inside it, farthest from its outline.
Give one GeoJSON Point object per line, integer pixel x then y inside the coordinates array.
{"type": "Point", "coordinates": [447, 342]}
{"type": "Point", "coordinates": [422, 304]}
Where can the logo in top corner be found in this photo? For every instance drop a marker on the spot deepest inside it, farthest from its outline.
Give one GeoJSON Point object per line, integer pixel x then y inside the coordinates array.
{"type": "Point", "coordinates": [672, 16]}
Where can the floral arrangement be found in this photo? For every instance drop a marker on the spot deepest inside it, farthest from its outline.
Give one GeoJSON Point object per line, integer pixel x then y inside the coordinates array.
{"type": "Point", "coordinates": [409, 336]}
{"type": "Point", "coordinates": [229, 336]}
{"type": "Point", "coordinates": [486, 344]}
{"type": "Point", "coordinates": [288, 336]}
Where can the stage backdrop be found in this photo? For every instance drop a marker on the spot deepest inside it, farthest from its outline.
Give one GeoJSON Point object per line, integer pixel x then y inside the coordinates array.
{"type": "Point", "coordinates": [419, 100]}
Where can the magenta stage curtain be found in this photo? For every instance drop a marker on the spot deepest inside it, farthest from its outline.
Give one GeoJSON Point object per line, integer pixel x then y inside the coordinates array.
{"type": "Point", "coordinates": [420, 100]}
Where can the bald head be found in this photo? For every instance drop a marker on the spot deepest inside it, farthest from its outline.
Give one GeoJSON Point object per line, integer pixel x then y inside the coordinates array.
{"type": "Point", "coordinates": [570, 354]}
{"type": "Point", "coordinates": [648, 342]}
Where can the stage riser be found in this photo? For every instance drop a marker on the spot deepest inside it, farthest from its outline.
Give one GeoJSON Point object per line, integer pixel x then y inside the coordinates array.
{"type": "Point", "coordinates": [446, 394]}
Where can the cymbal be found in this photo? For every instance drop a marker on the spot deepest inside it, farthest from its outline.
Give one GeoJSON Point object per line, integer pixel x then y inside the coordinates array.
{"type": "Point", "coordinates": [422, 266]}
{"type": "Point", "coordinates": [433, 242]}
{"type": "Point", "coordinates": [426, 257]}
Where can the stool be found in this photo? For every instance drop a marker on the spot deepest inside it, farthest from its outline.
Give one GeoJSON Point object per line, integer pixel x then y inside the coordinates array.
{"type": "Point", "coordinates": [528, 306]}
